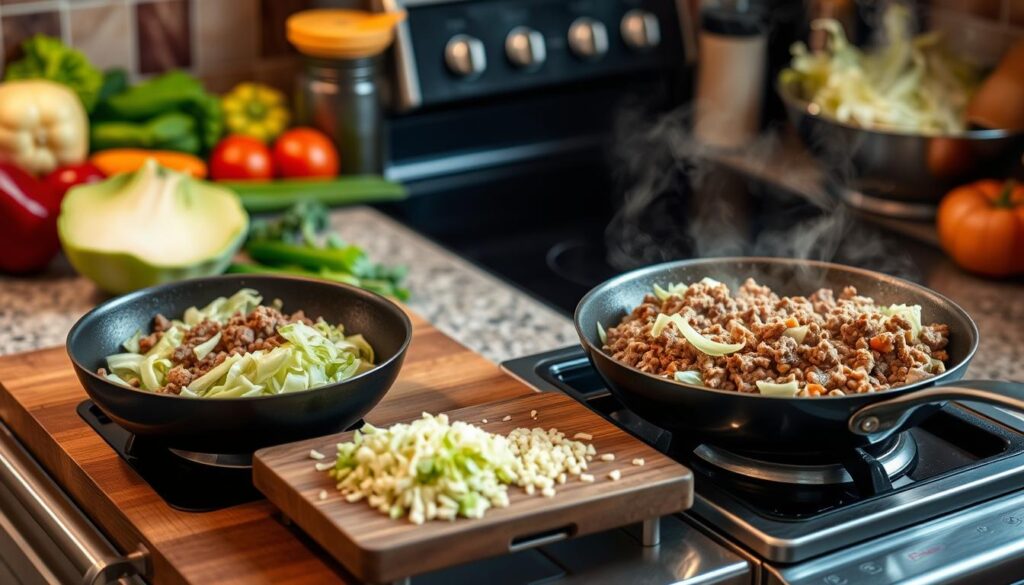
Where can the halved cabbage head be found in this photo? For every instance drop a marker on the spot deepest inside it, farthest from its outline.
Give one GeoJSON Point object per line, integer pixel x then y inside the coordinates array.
{"type": "Point", "coordinates": [148, 227]}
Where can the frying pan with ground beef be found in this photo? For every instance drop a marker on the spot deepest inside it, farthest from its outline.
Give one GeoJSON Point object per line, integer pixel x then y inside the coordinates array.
{"type": "Point", "coordinates": [825, 344]}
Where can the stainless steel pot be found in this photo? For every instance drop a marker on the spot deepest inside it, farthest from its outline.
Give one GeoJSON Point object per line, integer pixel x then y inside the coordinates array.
{"type": "Point", "coordinates": [898, 173]}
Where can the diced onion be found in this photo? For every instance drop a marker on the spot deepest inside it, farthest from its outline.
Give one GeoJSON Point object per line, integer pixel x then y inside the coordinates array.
{"type": "Point", "coordinates": [797, 333]}
{"type": "Point", "coordinates": [689, 377]}
{"type": "Point", "coordinates": [785, 389]}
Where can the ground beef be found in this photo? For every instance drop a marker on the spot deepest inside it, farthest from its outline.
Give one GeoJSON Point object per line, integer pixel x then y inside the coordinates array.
{"type": "Point", "coordinates": [240, 334]}
{"type": "Point", "coordinates": [850, 346]}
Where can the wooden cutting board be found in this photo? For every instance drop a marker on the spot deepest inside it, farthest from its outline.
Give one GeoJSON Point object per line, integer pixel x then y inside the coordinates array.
{"type": "Point", "coordinates": [378, 549]}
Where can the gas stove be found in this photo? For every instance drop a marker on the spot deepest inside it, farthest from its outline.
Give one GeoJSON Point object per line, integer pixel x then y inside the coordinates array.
{"type": "Point", "coordinates": [940, 504]}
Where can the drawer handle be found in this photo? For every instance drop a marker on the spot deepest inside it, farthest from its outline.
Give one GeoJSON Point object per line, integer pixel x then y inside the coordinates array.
{"type": "Point", "coordinates": [541, 538]}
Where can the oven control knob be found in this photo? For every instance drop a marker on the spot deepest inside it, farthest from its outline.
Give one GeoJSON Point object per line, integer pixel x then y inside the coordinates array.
{"type": "Point", "coordinates": [588, 38]}
{"type": "Point", "coordinates": [640, 29]}
{"type": "Point", "coordinates": [464, 55]}
{"type": "Point", "coordinates": [525, 48]}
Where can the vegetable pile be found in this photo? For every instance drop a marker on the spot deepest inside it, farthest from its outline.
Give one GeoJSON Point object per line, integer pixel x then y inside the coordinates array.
{"type": "Point", "coordinates": [292, 245]}
{"type": "Point", "coordinates": [169, 112]}
{"type": "Point", "coordinates": [433, 469]}
{"type": "Point", "coordinates": [912, 84]}
{"type": "Point", "coordinates": [65, 123]}
{"type": "Point", "coordinates": [48, 58]}
{"type": "Point", "coordinates": [303, 355]}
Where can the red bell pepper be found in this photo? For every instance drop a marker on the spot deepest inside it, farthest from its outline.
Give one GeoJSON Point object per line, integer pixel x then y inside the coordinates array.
{"type": "Point", "coordinates": [28, 221]}
{"type": "Point", "coordinates": [63, 178]}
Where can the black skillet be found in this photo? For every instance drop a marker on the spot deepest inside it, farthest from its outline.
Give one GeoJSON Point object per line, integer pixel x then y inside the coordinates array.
{"type": "Point", "coordinates": [240, 425]}
{"type": "Point", "coordinates": [759, 424]}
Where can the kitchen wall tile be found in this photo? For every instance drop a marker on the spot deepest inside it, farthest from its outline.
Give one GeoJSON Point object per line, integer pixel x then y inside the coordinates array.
{"type": "Point", "coordinates": [103, 33]}
{"type": "Point", "coordinates": [163, 35]}
{"type": "Point", "coordinates": [227, 33]}
{"type": "Point", "coordinates": [10, 2]}
{"type": "Point", "coordinates": [222, 80]}
{"type": "Point", "coordinates": [17, 28]}
{"type": "Point", "coordinates": [279, 72]}
{"type": "Point", "coordinates": [274, 14]}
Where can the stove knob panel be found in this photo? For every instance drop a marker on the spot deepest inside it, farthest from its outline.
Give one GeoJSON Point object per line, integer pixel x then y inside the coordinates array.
{"type": "Point", "coordinates": [465, 56]}
{"type": "Point", "coordinates": [640, 29]}
{"type": "Point", "coordinates": [525, 48]}
{"type": "Point", "coordinates": [588, 38]}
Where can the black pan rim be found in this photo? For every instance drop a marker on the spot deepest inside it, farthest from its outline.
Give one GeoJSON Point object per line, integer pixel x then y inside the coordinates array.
{"type": "Point", "coordinates": [112, 304]}
{"type": "Point", "coordinates": [654, 268]}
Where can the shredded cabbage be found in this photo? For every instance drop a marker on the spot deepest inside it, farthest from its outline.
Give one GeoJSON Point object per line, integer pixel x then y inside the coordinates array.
{"type": "Point", "coordinates": [311, 356]}
{"type": "Point", "coordinates": [689, 377]}
{"type": "Point", "coordinates": [912, 313]}
{"type": "Point", "coordinates": [601, 334]}
{"type": "Point", "coordinates": [785, 389]}
{"type": "Point", "coordinates": [222, 308]}
{"type": "Point", "coordinates": [203, 349]}
{"type": "Point", "coordinates": [697, 340]}
{"type": "Point", "coordinates": [677, 289]}
{"type": "Point", "coordinates": [132, 344]}
{"type": "Point", "coordinates": [911, 84]}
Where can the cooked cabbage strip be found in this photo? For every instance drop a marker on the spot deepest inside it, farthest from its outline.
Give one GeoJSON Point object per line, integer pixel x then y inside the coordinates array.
{"type": "Point", "coordinates": [797, 333]}
{"type": "Point", "coordinates": [701, 343]}
{"type": "Point", "coordinates": [789, 389]}
{"type": "Point", "coordinates": [689, 377]}
{"type": "Point", "coordinates": [311, 356]}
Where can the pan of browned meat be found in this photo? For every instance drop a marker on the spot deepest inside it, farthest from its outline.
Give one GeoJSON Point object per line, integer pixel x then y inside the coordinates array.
{"type": "Point", "coordinates": [781, 356]}
{"type": "Point", "coordinates": [229, 364]}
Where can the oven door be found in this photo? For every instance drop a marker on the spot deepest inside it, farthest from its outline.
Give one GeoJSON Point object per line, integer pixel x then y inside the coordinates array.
{"type": "Point", "coordinates": [44, 537]}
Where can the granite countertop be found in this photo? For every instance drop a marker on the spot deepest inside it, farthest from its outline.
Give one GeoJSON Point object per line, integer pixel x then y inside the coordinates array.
{"type": "Point", "coordinates": [480, 311]}
{"type": "Point", "coordinates": [484, 313]}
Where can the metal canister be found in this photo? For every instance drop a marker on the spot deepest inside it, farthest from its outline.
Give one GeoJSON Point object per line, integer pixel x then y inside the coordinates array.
{"type": "Point", "coordinates": [337, 88]}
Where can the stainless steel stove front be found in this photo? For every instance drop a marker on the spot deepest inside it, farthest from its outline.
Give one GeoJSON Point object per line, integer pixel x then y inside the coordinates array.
{"type": "Point", "coordinates": [792, 542]}
{"type": "Point", "coordinates": [966, 531]}
{"type": "Point", "coordinates": [982, 545]}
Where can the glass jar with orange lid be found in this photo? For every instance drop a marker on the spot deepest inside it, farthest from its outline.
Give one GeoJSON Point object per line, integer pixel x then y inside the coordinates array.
{"type": "Point", "coordinates": [338, 90]}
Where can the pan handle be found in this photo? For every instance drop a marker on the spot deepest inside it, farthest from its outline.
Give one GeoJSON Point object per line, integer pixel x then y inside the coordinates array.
{"type": "Point", "coordinates": [880, 419]}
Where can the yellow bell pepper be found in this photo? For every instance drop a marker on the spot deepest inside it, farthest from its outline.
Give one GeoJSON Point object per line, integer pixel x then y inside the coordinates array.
{"type": "Point", "coordinates": [255, 110]}
{"type": "Point", "coordinates": [42, 125]}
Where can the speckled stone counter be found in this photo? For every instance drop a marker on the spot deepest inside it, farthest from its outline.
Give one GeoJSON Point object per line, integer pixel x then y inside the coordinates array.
{"type": "Point", "coordinates": [475, 308]}
{"type": "Point", "coordinates": [485, 313]}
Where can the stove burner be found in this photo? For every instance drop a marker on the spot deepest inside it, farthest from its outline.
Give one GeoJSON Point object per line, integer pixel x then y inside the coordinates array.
{"type": "Point", "coordinates": [220, 460]}
{"type": "Point", "coordinates": [895, 458]}
{"type": "Point", "coordinates": [193, 482]}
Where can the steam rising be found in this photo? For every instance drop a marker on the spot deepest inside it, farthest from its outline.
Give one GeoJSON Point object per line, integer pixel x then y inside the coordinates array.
{"type": "Point", "coordinates": [679, 204]}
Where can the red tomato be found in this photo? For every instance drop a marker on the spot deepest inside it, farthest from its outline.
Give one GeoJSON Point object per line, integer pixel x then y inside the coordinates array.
{"type": "Point", "coordinates": [305, 152]}
{"type": "Point", "coordinates": [63, 178]}
{"type": "Point", "coordinates": [241, 157]}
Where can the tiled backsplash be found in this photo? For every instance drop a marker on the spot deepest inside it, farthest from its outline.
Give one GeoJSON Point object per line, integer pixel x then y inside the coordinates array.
{"type": "Point", "coordinates": [222, 41]}
{"type": "Point", "coordinates": [228, 41]}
